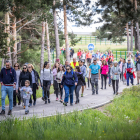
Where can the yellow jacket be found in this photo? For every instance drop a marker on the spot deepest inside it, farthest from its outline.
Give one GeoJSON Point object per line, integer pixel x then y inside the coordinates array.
{"type": "Point", "coordinates": [77, 64]}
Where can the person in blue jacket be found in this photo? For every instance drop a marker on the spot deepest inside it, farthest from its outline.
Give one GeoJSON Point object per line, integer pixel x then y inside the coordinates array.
{"type": "Point", "coordinates": [8, 82]}
{"type": "Point", "coordinates": [69, 82]}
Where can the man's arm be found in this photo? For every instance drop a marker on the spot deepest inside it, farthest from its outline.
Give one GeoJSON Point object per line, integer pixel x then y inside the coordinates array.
{"type": "Point", "coordinates": [89, 73]}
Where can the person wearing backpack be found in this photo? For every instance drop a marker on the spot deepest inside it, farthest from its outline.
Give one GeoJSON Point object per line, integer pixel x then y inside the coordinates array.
{"type": "Point", "coordinates": [69, 82]}
{"type": "Point", "coordinates": [47, 80]}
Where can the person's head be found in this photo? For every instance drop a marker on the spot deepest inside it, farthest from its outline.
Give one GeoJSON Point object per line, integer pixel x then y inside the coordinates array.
{"type": "Point", "coordinates": [103, 57]}
{"type": "Point", "coordinates": [95, 61]}
{"type": "Point", "coordinates": [16, 66]}
{"type": "Point", "coordinates": [120, 59]}
{"type": "Point", "coordinates": [27, 83]}
{"type": "Point", "coordinates": [61, 68]}
{"type": "Point", "coordinates": [66, 62]}
{"type": "Point", "coordinates": [107, 56]}
{"type": "Point", "coordinates": [68, 68]}
{"type": "Point", "coordinates": [124, 61]}
{"type": "Point", "coordinates": [77, 69]}
{"type": "Point", "coordinates": [80, 62]}
{"type": "Point", "coordinates": [56, 65]}
{"type": "Point", "coordinates": [74, 60]}
{"type": "Point", "coordinates": [46, 65]}
{"type": "Point", "coordinates": [137, 59]}
{"type": "Point", "coordinates": [111, 64]}
{"type": "Point", "coordinates": [8, 64]}
{"type": "Point", "coordinates": [30, 67]}
{"type": "Point", "coordinates": [129, 60]}
{"type": "Point", "coordinates": [137, 52]}
{"type": "Point", "coordinates": [98, 59]}
{"type": "Point", "coordinates": [104, 62]}
{"type": "Point", "coordinates": [57, 60]}
{"type": "Point", "coordinates": [129, 53]}
{"type": "Point", "coordinates": [115, 63]}
{"type": "Point", "coordinates": [25, 68]}
{"type": "Point", "coordinates": [79, 50]}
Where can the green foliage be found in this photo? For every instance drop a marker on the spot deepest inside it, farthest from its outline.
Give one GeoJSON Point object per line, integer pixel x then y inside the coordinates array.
{"type": "Point", "coordinates": [119, 121]}
{"type": "Point", "coordinates": [73, 39]}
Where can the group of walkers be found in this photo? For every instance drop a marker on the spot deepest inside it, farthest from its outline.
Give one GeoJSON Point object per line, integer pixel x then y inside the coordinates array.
{"type": "Point", "coordinates": [71, 77]}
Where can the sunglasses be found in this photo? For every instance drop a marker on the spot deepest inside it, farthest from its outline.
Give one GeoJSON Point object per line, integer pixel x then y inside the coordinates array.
{"type": "Point", "coordinates": [128, 60]}
{"type": "Point", "coordinates": [67, 69]}
{"type": "Point", "coordinates": [29, 67]}
{"type": "Point", "coordinates": [15, 66]}
{"type": "Point", "coordinates": [24, 68]}
{"type": "Point", "coordinates": [94, 60]}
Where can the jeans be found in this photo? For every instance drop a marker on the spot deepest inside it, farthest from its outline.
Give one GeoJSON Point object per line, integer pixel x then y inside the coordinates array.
{"type": "Point", "coordinates": [94, 83]}
{"type": "Point", "coordinates": [61, 90]}
{"type": "Point", "coordinates": [77, 89]}
{"type": "Point", "coordinates": [109, 79]}
{"type": "Point", "coordinates": [129, 75]}
{"type": "Point", "coordinates": [26, 103]}
{"type": "Point", "coordinates": [46, 87]}
{"type": "Point", "coordinates": [69, 90]}
{"type": "Point", "coordinates": [56, 88]}
{"type": "Point", "coordinates": [42, 92]}
{"type": "Point", "coordinates": [34, 93]}
{"type": "Point", "coordinates": [4, 91]}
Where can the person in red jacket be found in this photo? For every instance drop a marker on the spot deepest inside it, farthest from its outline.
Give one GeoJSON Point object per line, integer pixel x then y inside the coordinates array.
{"type": "Point", "coordinates": [79, 53]}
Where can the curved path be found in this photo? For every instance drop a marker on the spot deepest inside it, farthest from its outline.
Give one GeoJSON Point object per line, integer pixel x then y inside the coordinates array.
{"type": "Point", "coordinates": [55, 107]}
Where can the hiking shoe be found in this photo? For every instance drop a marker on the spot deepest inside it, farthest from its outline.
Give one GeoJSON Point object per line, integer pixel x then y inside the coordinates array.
{"type": "Point", "coordinates": [2, 112]}
{"type": "Point", "coordinates": [34, 103]}
{"type": "Point", "coordinates": [26, 112]}
{"type": "Point", "coordinates": [65, 104]}
{"type": "Point", "coordinates": [46, 102]}
{"type": "Point", "coordinates": [76, 102]}
{"type": "Point", "coordinates": [43, 98]}
{"type": "Point", "coordinates": [61, 101]}
{"type": "Point", "coordinates": [49, 101]}
{"type": "Point", "coordinates": [82, 95]}
{"type": "Point", "coordinates": [71, 104]}
{"type": "Point", "coordinates": [30, 105]}
{"type": "Point", "coordinates": [101, 87]}
{"type": "Point", "coordinates": [19, 103]}
{"type": "Point", "coordinates": [56, 99]}
{"type": "Point", "coordinates": [93, 93]}
{"type": "Point", "coordinates": [14, 105]}
{"type": "Point", "coordinates": [117, 93]}
{"type": "Point", "coordinates": [24, 107]}
{"type": "Point", "coordinates": [9, 112]}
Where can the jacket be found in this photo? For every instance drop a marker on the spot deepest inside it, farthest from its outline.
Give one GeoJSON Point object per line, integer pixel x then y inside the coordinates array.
{"type": "Point", "coordinates": [138, 65]}
{"type": "Point", "coordinates": [81, 79]}
{"type": "Point", "coordinates": [59, 76]}
{"type": "Point", "coordinates": [132, 66]}
{"type": "Point", "coordinates": [25, 94]}
{"type": "Point", "coordinates": [104, 69]}
{"type": "Point", "coordinates": [54, 73]}
{"type": "Point", "coordinates": [23, 77]}
{"type": "Point", "coordinates": [83, 70]}
{"type": "Point", "coordinates": [115, 70]}
{"type": "Point", "coordinates": [69, 79]}
{"type": "Point", "coordinates": [36, 77]}
{"type": "Point", "coordinates": [72, 64]}
{"type": "Point", "coordinates": [8, 76]}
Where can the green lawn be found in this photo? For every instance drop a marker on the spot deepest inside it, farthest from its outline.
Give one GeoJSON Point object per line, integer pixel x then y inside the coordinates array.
{"type": "Point", "coordinates": [120, 120]}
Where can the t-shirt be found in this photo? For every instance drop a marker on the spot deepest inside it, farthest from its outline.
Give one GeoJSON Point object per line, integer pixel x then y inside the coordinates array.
{"type": "Point", "coordinates": [94, 68]}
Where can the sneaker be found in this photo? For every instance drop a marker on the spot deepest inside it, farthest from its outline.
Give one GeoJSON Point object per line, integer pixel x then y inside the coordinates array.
{"type": "Point", "coordinates": [9, 112]}
{"type": "Point", "coordinates": [46, 102]}
{"type": "Point", "coordinates": [34, 103]}
{"type": "Point", "coordinates": [137, 84]}
{"type": "Point", "coordinates": [2, 112]}
{"type": "Point", "coordinates": [49, 101]}
{"type": "Point", "coordinates": [24, 107]}
{"type": "Point", "coordinates": [65, 104]}
{"type": "Point", "coordinates": [30, 105]}
{"type": "Point", "coordinates": [93, 93]}
{"type": "Point", "coordinates": [71, 104]}
{"type": "Point", "coordinates": [76, 102]}
{"type": "Point", "coordinates": [19, 103]}
{"type": "Point", "coordinates": [117, 93]}
{"type": "Point", "coordinates": [43, 98]}
{"type": "Point", "coordinates": [109, 85]}
{"type": "Point", "coordinates": [82, 95]}
{"type": "Point", "coordinates": [61, 101]}
{"type": "Point", "coordinates": [14, 105]}
{"type": "Point", "coordinates": [101, 87]}
{"type": "Point", "coordinates": [56, 99]}
{"type": "Point", "coordinates": [26, 112]}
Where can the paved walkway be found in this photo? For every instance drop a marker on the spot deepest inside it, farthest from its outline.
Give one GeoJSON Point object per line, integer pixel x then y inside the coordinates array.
{"type": "Point", "coordinates": [88, 101]}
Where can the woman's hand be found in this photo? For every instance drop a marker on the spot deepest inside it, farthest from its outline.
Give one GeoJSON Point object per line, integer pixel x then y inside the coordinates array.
{"type": "Point", "coordinates": [16, 91]}
{"type": "Point", "coordinates": [75, 84]}
{"type": "Point", "coordinates": [61, 86]}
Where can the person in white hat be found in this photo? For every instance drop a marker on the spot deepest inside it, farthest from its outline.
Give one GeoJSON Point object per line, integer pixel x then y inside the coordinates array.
{"type": "Point", "coordinates": [115, 73]}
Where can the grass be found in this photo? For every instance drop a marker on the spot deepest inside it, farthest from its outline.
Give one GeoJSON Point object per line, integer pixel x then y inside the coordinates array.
{"type": "Point", "coordinates": [122, 123]}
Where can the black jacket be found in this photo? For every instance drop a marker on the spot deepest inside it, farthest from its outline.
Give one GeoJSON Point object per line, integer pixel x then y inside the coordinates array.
{"type": "Point", "coordinates": [81, 80]}
{"type": "Point", "coordinates": [36, 77]}
{"type": "Point", "coordinates": [23, 77]}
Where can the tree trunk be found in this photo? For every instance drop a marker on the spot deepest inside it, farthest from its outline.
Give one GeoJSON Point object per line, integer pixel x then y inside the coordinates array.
{"type": "Point", "coordinates": [135, 37]}
{"type": "Point", "coordinates": [131, 36]}
{"type": "Point", "coordinates": [48, 44]}
{"type": "Point", "coordinates": [7, 30]}
{"type": "Point", "coordinates": [42, 47]}
{"type": "Point", "coordinates": [137, 26]}
{"type": "Point", "coordinates": [66, 35]}
{"type": "Point", "coordinates": [15, 41]}
{"type": "Point", "coordinates": [56, 32]}
{"type": "Point", "coordinates": [127, 31]}
{"type": "Point", "coordinates": [2, 63]}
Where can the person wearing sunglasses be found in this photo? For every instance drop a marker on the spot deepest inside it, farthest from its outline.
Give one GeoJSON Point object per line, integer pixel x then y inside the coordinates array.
{"type": "Point", "coordinates": [129, 70]}
{"type": "Point", "coordinates": [24, 75]}
{"type": "Point", "coordinates": [35, 83]}
{"type": "Point", "coordinates": [8, 83]}
{"type": "Point", "coordinates": [69, 82]}
{"type": "Point", "coordinates": [94, 71]}
{"type": "Point", "coordinates": [16, 92]}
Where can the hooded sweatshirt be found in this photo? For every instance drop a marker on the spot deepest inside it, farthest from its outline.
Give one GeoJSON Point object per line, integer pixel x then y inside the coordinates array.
{"type": "Point", "coordinates": [81, 80]}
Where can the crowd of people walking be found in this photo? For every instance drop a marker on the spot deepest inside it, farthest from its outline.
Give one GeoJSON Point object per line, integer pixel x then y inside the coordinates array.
{"type": "Point", "coordinates": [72, 77]}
